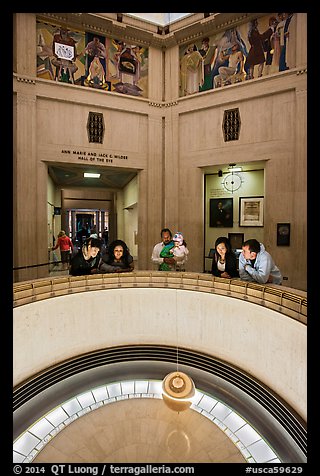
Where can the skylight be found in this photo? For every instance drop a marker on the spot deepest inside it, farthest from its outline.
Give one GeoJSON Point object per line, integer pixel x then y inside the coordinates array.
{"type": "Point", "coordinates": [250, 443]}
{"type": "Point", "coordinates": [160, 18]}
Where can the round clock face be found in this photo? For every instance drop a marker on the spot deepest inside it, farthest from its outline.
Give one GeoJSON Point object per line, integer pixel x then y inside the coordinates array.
{"type": "Point", "coordinates": [232, 182]}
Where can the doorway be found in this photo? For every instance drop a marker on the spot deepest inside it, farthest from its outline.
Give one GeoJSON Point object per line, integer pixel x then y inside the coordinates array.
{"type": "Point", "coordinates": [84, 225]}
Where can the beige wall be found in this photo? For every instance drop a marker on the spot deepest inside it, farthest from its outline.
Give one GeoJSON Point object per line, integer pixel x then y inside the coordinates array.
{"type": "Point", "coordinates": [169, 144]}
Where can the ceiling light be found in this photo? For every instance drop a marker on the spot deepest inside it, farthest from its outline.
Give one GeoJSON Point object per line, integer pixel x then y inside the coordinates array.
{"type": "Point", "coordinates": [235, 169]}
{"type": "Point", "coordinates": [89, 175]}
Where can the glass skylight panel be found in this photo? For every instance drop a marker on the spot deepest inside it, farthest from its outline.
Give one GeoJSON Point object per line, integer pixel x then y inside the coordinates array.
{"type": "Point", "coordinates": [261, 451]}
{"type": "Point", "coordinates": [26, 443]}
{"type": "Point", "coordinates": [220, 424]}
{"type": "Point", "coordinates": [123, 397]}
{"type": "Point", "coordinates": [127, 387]}
{"type": "Point", "coordinates": [248, 435]}
{"type": "Point", "coordinates": [234, 421]}
{"type": "Point", "coordinates": [233, 437]}
{"type": "Point", "coordinates": [207, 415]}
{"type": "Point", "coordinates": [155, 387]}
{"type": "Point", "coordinates": [72, 406]}
{"type": "Point", "coordinates": [207, 403]}
{"type": "Point", "coordinates": [100, 393]}
{"type": "Point", "coordinates": [41, 428]}
{"type": "Point", "coordinates": [197, 397]}
{"type": "Point", "coordinates": [114, 389]}
{"type": "Point", "coordinates": [17, 457]}
{"type": "Point", "coordinates": [220, 411]}
{"type": "Point", "coordinates": [141, 386]}
{"type": "Point", "coordinates": [160, 18]}
{"type": "Point", "coordinates": [86, 399]}
{"type": "Point", "coordinates": [249, 442]}
{"type": "Point", "coordinates": [57, 416]}
{"type": "Point", "coordinates": [96, 405]}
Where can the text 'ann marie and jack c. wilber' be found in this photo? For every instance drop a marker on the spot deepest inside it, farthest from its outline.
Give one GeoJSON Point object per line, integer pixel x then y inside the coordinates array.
{"type": "Point", "coordinates": [94, 156]}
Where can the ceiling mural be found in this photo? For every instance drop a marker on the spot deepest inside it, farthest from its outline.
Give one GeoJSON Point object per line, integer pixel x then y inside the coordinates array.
{"type": "Point", "coordinates": [91, 60]}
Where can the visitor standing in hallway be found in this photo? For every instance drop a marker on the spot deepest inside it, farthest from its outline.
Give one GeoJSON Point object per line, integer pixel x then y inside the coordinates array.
{"type": "Point", "coordinates": [65, 245]}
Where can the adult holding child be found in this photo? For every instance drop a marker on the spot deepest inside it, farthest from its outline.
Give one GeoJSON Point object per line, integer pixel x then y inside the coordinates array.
{"type": "Point", "coordinates": [163, 247]}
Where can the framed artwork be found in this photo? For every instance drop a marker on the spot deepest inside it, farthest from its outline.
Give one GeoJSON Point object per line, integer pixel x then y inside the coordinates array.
{"type": "Point", "coordinates": [236, 240]}
{"type": "Point", "coordinates": [283, 234]}
{"type": "Point", "coordinates": [221, 212]}
{"type": "Point", "coordinates": [251, 211]}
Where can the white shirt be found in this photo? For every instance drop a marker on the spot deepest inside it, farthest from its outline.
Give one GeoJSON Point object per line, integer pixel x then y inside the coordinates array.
{"type": "Point", "coordinates": [157, 260]}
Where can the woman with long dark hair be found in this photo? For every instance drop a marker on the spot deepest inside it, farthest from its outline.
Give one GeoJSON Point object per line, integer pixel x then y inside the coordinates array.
{"type": "Point", "coordinates": [224, 262]}
{"type": "Point", "coordinates": [118, 259]}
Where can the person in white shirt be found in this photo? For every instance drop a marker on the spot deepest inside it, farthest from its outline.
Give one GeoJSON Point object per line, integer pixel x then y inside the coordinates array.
{"type": "Point", "coordinates": [166, 238]}
{"type": "Point", "coordinates": [169, 255]}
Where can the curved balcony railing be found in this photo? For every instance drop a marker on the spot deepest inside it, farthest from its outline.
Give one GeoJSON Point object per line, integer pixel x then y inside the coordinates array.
{"type": "Point", "coordinates": [258, 329]}
{"type": "Point", "coordinates": [288, 301]}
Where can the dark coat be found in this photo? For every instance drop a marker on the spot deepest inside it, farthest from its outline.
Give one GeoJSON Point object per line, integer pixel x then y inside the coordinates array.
{"type": "Point", "coordinates": [256, 52]}
{"type": "Point", "coordinates": [79, 266]}
{"type": "Point", "coordinates": [231, 265]}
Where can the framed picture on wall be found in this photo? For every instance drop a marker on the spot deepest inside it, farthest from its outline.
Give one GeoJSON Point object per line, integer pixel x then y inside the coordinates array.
{"type": "Point", "coordinates": [221, 212]}
{"type": "Point", "coordinates": [251, 211]}
{"type": "Point", "coordinates": [236, 240]}
{"type": "Point", "coordinates": [283, 234]}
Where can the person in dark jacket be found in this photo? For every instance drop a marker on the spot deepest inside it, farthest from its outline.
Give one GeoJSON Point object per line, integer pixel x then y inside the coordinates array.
{"type": "Point", "coordinates": [87, 260]}
{"type": "Point", "coordinates": [224, 262]}
{"type": "Point", "coordinates": [117, 259]}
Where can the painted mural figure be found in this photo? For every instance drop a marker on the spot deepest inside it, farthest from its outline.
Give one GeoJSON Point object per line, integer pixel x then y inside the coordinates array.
{"type": "Point", "coordinates": [65, 53]}
{"type": "Point", "coordinates": [96, 76]}
{"type": "Point", "coordinates": [285, 39]}
{"type": "Point", "coordinates": [192, 73]}
{"type": "Point", "coordinates": [286, 52]}
{"type": "Point", "coordinates": [234, 70]}
{"type": "Point", "coordinates": [44, 54]}
{"type": "Point", "coordinates": [129, 65]}
{"type": "Point", "coordinates": [207, 52]}
{"type": "Point", "coordinates": [290, 36]}
{"type": "Point", "coordinates": [256, 54]}
{"type": "Point", "coordinates": [229, 38]}
{"type": "Point", "coordinates": [268, 43]}
{"type": "Point", "coordinates": [96, 49]}
{"type": "Point", "coordinates": [127, 62]}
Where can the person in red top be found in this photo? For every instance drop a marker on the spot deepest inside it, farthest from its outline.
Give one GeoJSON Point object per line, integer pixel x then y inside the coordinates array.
{"type": "Point", "coordinates": [66, 246]}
